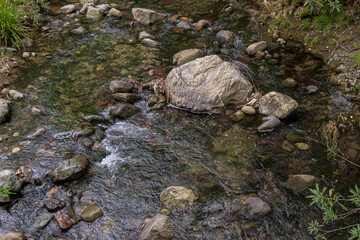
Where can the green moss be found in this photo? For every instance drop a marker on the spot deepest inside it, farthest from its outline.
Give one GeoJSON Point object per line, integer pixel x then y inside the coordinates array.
{"type": "Point", "coordinates": [272, 27]}
{"type": "Point", "coordinates": [356, 58]}
{"type": "Point", "coordinates": [304, 13]}
{"type": "Point", "coordinates": [305, 23]}
{"type": "Point", "coordinates": [314, 41]}
{"type": "Point", "coordinates": [332, 41]}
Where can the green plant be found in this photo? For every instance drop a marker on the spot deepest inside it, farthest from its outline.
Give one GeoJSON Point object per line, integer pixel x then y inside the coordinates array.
{"type": "Point", "coordinates": [334, 209]}
{"type": "Point", "coordinates": [332, 41]}
{"type": "Point", "coordinates": [5, 192]}
{"type": "Point", "coordinates": [356, 58]}
{"type": "Point", "coordinates": [314, 5]}
{"type": "Point", "coordinates": [314, 41]}
{"type": "Point", "coordinates": [272, 27]}
{"type": "Point", "coordinates": [335, 5]}
{"type": "Point", "coordinates": [305, 23]}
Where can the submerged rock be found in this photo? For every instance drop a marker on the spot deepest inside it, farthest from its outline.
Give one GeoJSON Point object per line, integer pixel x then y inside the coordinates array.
{"type": "Point", "coordinates": [42, 220]}
{"type": "Point", "coordinates": [13, 236]}
{"type": "Point", "coordinates": [178, 197]}
{"type": "Point", "coordinates": [259, 46]}
{"type": "Point", "coordinates": [91, 212]}
{"type": "Point", "coordinates": [147, 16]}
{"type": "Point", "coordinates": [254, 206]}
{"type": "Point", "coordinates": [187, 55]}
{"type": "Point", "coordinates": [237, 116]}
{"type": "Point", "coordinates": [158, 228]}
{"type": "Point", "coordinates": [269, 124]}
{"type": "Point", "coordinates": [129, 97]}
{"type": "Point", "coordinates": [301, 182]}
{"type": "Point", "coordinates": [207, 84]}
{"type": "Point", "coordinates": [124, 110]}
{"type": "Point", "coordinates": [120, 86]}
{"type": "Point", "coordinates": [201, 24]}
{"type": "Point", "coordinates": [69, 170]}
{"type": "Point", "coordinates": [64, 220]}
{"type": "Point", "coordinates": [53, 204]}
{"type": "Point", "coordinates": [249, 110]}
{"type": "Point", "coordinates": [277, 104]}
{"type": "Point", "coordinates": [4, 110]}
{"type": "Point", "coordinates": [225, 37]}
{"type": "Point", "coordinates": [68, 9]}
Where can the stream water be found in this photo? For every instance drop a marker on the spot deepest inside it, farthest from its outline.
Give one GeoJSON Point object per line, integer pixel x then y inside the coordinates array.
{"type": "Point", "coordinates": [134, 160]}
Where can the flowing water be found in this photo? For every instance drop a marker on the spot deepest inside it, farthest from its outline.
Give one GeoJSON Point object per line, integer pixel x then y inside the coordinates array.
{"type": "Point", "coordinates": [134, 160]}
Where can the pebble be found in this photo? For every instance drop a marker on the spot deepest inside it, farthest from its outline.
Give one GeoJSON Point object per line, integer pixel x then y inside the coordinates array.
{"type": "Point", "coordinates": [35, 111]}
{"type": "Point", "coordinates": [248, 110]}
{"type": "Point", "coordinates": [237, 116]}
{"type": "Point", "coordinates": [25, 55]}
{"type": "Point", "coordinates": [91, 212]}
{"type": "Point", "coordinates": [16, 150]}
{"type": "Point", "coordinates": [143, 35]}
{"type": "Point", "coordinates": [15, 95]}
{"type": "Point", "coordinates": [269, 124]}
{"type": "Point", "coordinates": [289, 82]}
{"type": "Point", "coordinates": [302, 146]}
{"type": "Point", "coordinates": [115, 13]}
{"type": "Point", "coordinates": [311, 89]}
{"type": "Point", "coordinates": [78, 31]}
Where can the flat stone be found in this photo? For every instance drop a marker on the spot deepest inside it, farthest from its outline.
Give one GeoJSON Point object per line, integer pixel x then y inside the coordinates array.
{"type": "Point", "coordinates": [302, 146]}
{"type": "Point", "coordinates": [249, 110]}
{"type": "Point", "coordinates": [178, 197]}
{"type": "Point", "coordinates": [150, 43]}
{"type": "Point", "coordinates": [69, 170]}
{"type": "Point", "coordinates": [53, 204]}
{"type": "Point", "coordinates": [68, 9]}
{"type": "Point", "coordinates": [94, 13]}
{"type": "Point", "coordinates": [187, 55]}
{"type": "Point", "coordinates": [124, 110]}
{"type": "Point", "coordinates": [91, 212]}
{"type": "Point", "coordinates": [13, 236]}
{"type": "Point", "coordinates": [147, 16]}
{"type": "Point", "coordinates": [158, 228]}
{"type": "Point", "coordinates": [42, 220]}
{"type": "Point", "coordinates": [35, 111]}
{"type": "Point", "coordinates": [269, 124]}
{"type": "Point", "coordinates": [301, 182]}
{"type": "Point", "coordinates": [259, 46]}
{"type": "Point", "coordinates": [103, 7]}
{"type": "Point", "coordinates": [115, 13]}
{"type": "Point", "coordinates": [255, 206]}
{"type": "Point", "coordinates": [277, 104]}
{"type": "Point", "coordinates": [128, 97]}
{"type": "Point", "coordinates": [287, 146]}
{"type": "Point", "coordinates": [289, 82]}
{"type": "Point", "coordinates": [78, 31]}
{"type": "Point", "coordinates": [64, 220]}
{"type": "Point", "coordinates": [15, 95]}
{"type": "Point", "coordinates": [143, 35]}
{"type": "Point", "coordinates": [120, 86]}
{"type": "Point", "coordinates": [225, 37]}
{"type": "Point", "coordinates": [201, 24]}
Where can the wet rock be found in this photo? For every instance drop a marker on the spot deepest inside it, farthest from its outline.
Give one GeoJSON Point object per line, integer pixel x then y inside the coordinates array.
{"type": "Point", "coordinates": [84, 8]}
{"type": "Point", "coordinates": [259, 46]}
{"type": "Point", "coordinates": [178, 197]}
{"type": "Point", "coordinates": [69, 170]}
{"type": "Point", "coordinates": [183, 24]}
{"type": "Point", "coordinates": [165, 211]}
{"type": "Point", "coordinates": [287, 146]}
{"type": "Point", "coordinates": [201, 24]}
{"type": "Point", "coordinates": [150, 43]}
{"type": "Point", "coordinates": [207, 84]}
{"type": "Point", "coordinates": [8, 179]}
{"type": "Point", "coordinates": [25, 55]}
{"type": "Point", "coordinates": [129, 97]}
{"type": "Point", "coordinates": [225, 37]}
{"type": "Point", "coordinates": [249, 110]}
{"type": "Point", "coordinates": [91, 212]}
{"type": "Point", "coordinates": [94, 13]}
{"type": "Point", "coordinates": [97, 119]}
{"type": "Point", "coordinates": [124, 110]}
{"type": "Point", "coordinates": [36, 111]}
{"type": "Point", "coordinates": [259, 55]}
{"type": "Point", "coordinates": [147, 16]}
{"type": "Point", "coordinates": [68, 9]}
{"type": "Point", "coordinates": [119, 86]}
{"type": "Point", "coordinates": [143, 35]}
{"type": "Point", "coordinates": [26, 42]}
{"type": "Point", "coordinates": [54, 204]}
{"type": "Point", "coordinates": [87, 142]}
{"type": "Point", "coordinates": [277, 104]}
{"type": "Point", "coordinates": [115, 13]}
{"type": "Point", "coordinates": [269, 124]}
{"type": "Point", "coordinates": [254, 206]}
{"type": "Point", "coordinates": [237, 116]}
{"type": "Point", "coordinates": [186, 56]}
{"type": "Point", "coordinates": [16, 150]}
{"type": "Point", "coordinates": [42, 220]}
{"type": "Point", "coordinates": [311, 89]}
{"type": "Point", "coordinates": [64, 220]}
{"type": "Point", "coordinates": [78, 31]}
{"type": "Point", "coordinates": [302, 146]}
{"type": "Point", "coordinates": [301, 182]}
{"type": "Point", "coordinates": [103, 7]}
{"type": "Point", "coordinates": [159, 227]}
{"type": "Point", "coordinates": [289, 82]}
{"type": "Point", "coordinates": [4, 110]}
{"type": "Point", "coordinates": [38, 132]}
{"type": "Point", "coordinates": [13, 236]}
{"type": "Point", "coordinates": [15, 95]}
{"type": "Point", "coordinates": [295, 137]}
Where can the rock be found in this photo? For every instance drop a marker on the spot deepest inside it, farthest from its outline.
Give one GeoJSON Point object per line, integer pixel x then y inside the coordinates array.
{"type": "Point", "coordinates": [255, 206]}
{"type": "Point", "coordinates": [178, 197]}
{"type": "Point", "coordinates": [26, 42]}
{"type": "Point", "coordinates": [87, 142]}
{"type": "Point", "coordinates": [124, 110]}
{"type": "Point", "coordinates": [186, 56]}
{"type": "Point", "coordinates": [165, 211]}
{"type": "Point", "coordinates": [84, 8]}
{"type": "Point", "coordinates": [15, 95]}
{"type": "Point", "coordinates": [42, 220]}
{"type": "Point", "coordinates": [311, 89]}
{"type": "Point", "coordinates": [69, 170]}
{"type": "Point", "coordinates": [93, 2]}
{"type": "Point", "coordinates": [143, 35]}
{"type": "Point", "coordinates": [53, 204]}
{"type": "Point", "coordinates": [225, 37]}
{"type": "Point", "coordinates": [37, 133]}
{"type": "Point", "coordinates": [259, 46]}
{"type": "Point", "coordinates": [91, 212]}
{"type": "Point", "coordinates": [147, 16]}
{"type": "Point", "coordinates": [158, 228]}
{"type": "Point", "coordinates": [35, 111]}
{"type": "Point", "coordinates": [287, 146]}
{"type": "Point", "coordinates": [78, 31]}
{"type": "Point", "coordinates": [129, 97]}
{"type": "Point", "coordinates": [64, 220]}
{"type": "Point", "coordinates": [4, 110]}
{"type": "Point", "coordinates": [150, 43]}
{"type": "Point", "coordinates": [249, 110]}
{"type": "Point", "coordinates": [301, 182]}
{"type": "Point", "coordinates": [115, 13]}
{"type": "Point", "coordinates": [201, 24]}
{"type": "Point", "coordinates": [16, 150]}
{"type": "Point", "coordinates": [8, 179]}
{"type": "Point", "coordinates": [289, 82]}
{"type": "Point", "coordinates": [119, 86]}
{"type": "Point", "coordinates": [259, 55]}
{"type": "Point", "coordinates": [97, 119]}
{"type": "Point", "coordinates": [103, 7]}
{"type": "Point", "coordinates": [302, 146]}
{"type": "Point", "coordinates": [207, 84]}
{"type": "Point", "coordinates": [94, 13]}
{"type": "Point", "coordinates": [277, 104]}
{"type": "Point", "coordinates": [183, 24]}
{"type": "Point", "coordinates": [25, 55]}
{"type": "Point", "coordinates": [269, 124]}
{"type": "Point", "coordinates": [33, 54]}
{"type": "Point", "coordinates": [295, 137]}
{"type": "Point", "coordinates": [13, 236]}
{"type": "Point", "coordinates": [68, 9]}
{"type": "Point", "coordinates": [237, 116]}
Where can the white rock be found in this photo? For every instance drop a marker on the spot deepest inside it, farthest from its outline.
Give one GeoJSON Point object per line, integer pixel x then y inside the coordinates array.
{"type": "Point", "coordinates": [68, 9]}
{"type": "Point", "coordinates": [115, 13]}
{"type": "Point", "coordinates": [15, 95]}
{"type": "Point", "coordinates": [259, 46]}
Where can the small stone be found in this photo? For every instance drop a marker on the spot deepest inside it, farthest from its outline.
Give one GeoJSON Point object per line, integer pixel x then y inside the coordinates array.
{"type": "Point", "coordinates": [259, 46]}
{"type": "Point", "coordinates": [53, 204]}
{"type": "Point", "coordinates": [143, 35]}
{"type": "Point", "coordinates": [150, 43]}
{"type": "Point", "coordinates": [147, 16]}
{"type": "Point", "coordinates": [225, 36]}
{"type": "Point", "coordinates": [269, 124]}
{"type": "Point", "coordinates": [254, 206]}
{"type": "Point", "coordinates": [119, 86]}
{"type": "Point", "coordinates": [301, 182]}
{"type": "Point", "coordinates": [68, 9]}
{"type": "Point", "coordinates": [295, 137]}
{"type": "Point", "coordinates": [302, 146]}
{"type": "Point", "coordinates": [248, 110]}
{"type": "Point", "coordinates": [42, 220]}
{"type": "Point", "coordinates": [237, 116]}
{"type": "Point", "coordinates": [16, 150]}
{"type": "Point", "coordinates": [94, 13]}
{"type": "Point", "coordinates": [259, 55]}
{"type": "Point", "coordinates": [37, 133]}
{"type": "Point", "coordinates": [87, 142]}
{"type": "Point", "coordinates": [159, 227]}
{"type": "Point", "coordinates": [187, 55]}
{"type": "Point", "coordinates": [8, 179]}
{"type": "Point", "coordinates": [4, 110]}
{"type": "Point", "coordinates": [103, 7]}
{"type": "Point", "coordinates": [178, 197]}
{"type": "Point", "coordinates": [311, 89]}
{"type": "Point", "coordinates": [64, 221]}
{"type": "Point", "coordinates": [13, 236]}
{"type": "Point", "coordinates": [16, 134]}
{"type": "Point", "coordinates": [287, 146]}
{"type": "Point", "coordinates": [69, 170]}
{"type": "Point", "coordinates": [165, 211]}
{"type": "Point", "coordinates": [91, 213]}
{"type": "Point", "coordinates": [33, 54]}
{"type": "Point", "coordinates": [36, 111]}
{"type": "Point", "coordinates": [289, 82]}
{"type": "Point", "coordinates": [15, 95]}
{"type": "Point", "coordinates": [128, 97]}
{"type": "Point", "coordinates": [277, 104]}
{"type": "Point", "coordinates": [78, 31]}
{"type": "Point", "coordinates": [25, 55]}
{"type": "Point", "coordinates": [183, 24]}
{"type": "Point", "coordinates": [124, 110]}
{"type": "Point", "coordinates": [84, 8]}
{"type": "Point", "coordinates": [115, 13]}
{"type": "Point", "coordinates": [201, 24]}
